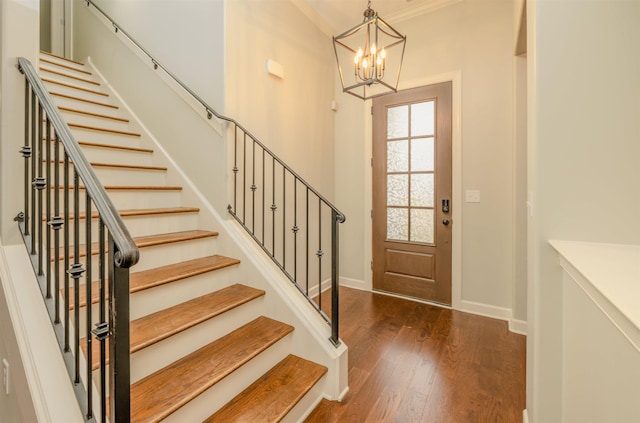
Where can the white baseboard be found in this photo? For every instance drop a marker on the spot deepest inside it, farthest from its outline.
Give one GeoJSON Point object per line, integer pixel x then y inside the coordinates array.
{"type": "Point", "coordinates": [353, 283]}
{"type": "Point", "coordinates": [518, 326]}
{"type": "Point", "coordinates": [525, 416]}
{"type": "Point", "coordinates": [485, 310]}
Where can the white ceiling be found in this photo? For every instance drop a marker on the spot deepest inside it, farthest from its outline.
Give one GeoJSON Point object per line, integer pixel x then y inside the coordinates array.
{"type": "Point", "coordinates": [337, 16]}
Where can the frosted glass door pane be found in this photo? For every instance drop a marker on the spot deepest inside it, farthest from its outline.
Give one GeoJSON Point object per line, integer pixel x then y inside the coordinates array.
{"type": "Point", "coordinates": [398, 224]}
{"type": "Point", "coordinates": [422, 190]}
{"type": "Point", "coordinates": [398, 190]}
{"type": "Point", "coordinates": [422, 119]}
{"type": "Point", "coordinates": [398, 122]}
{"type": "Point", "coordinates": [398, 156]}
{"type": "Point", "coordinates": [422, 155]}
{"type": "Point", "coordinates": [422, 225]}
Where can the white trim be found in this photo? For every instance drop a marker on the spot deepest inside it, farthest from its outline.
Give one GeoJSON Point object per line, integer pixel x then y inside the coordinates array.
{"type": "Point", "coordinates": [353, 283]}
{"type": "Point", "coordinates": [518, 326]}
{"type": "Point", "coordinates": [486, 310]}
{"type": "Point", "coordinates": [417, 300]}
{"type": "Point", "coordinates": [419, 9]}
{"type": "Point", "coordinates": [48, 382]}
{"type": "Point", "coordinates": [525, 416]}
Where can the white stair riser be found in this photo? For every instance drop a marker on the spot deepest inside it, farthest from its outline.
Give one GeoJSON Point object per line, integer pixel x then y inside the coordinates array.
{"type": "Point", "coordinates": [215, 397]}
{"type": "Point", "coordinates": [75, 92]}
{"type": "Point", "coordinates": [57, 60]}
{"type": "Point", "coordinates": [130, 199]}
{"type": "Point", "coordinates": [148, 301]}
{"type": "Point", "coordinates": [307, 403]}
{"type": "Point", "coordinates": [112, 155]}
{"type": "Point", "coordinates": [137, 226]}
{"type": "Point", "coordinates": [68, 77]}
{"type": "Point", "coordinates": [122, 176]}
{"type": "Point", "coordinates": [157, 356]}
{"type": "Point", "coordinates": [150, 257]}
{"type": "Point", "coordinates": [83, 105]}
{"type": "Point", "coordinates": [101, 122]}
{"type": "Point", "coordinates": [106, 137]}
{"type": "Point", "coordinates": [161, 255]}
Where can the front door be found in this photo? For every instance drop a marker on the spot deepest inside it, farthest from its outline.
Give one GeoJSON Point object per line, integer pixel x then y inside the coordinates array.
{"type": "Point", "coordinates": [412, 193]}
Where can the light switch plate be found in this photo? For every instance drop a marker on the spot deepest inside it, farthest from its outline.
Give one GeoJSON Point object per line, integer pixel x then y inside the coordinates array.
{"type": "Point", "coordinates": [472, 196]}
{"type": "Point", "coordinates": [5, 375]}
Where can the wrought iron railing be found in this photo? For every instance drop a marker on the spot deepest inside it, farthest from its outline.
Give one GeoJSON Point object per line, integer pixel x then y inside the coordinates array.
{"type": "Point", "coordinates": [55, 173]}
{"type": "Point", "coordinates": [317, 230]}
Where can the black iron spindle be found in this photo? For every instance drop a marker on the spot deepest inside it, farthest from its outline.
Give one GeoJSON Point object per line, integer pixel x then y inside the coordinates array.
{"type": "Point", "coordinates": [284, 218]}
{"type": "Point", "coordinates": [39, 184]}
{"type": "Point", "coordinates": [319, 253]}
{"type": "Point", "coordinates": [56, 224]}
{"type": "Point", "coordinates": [264, 186]}
{"type": "Point", "coordinates": [253, 189]}
{"type": "Point", "coordinates": [244, 179]}
{"type": "Point", "coordinates": [273, 207]}
{"type": "Point", "coordinates": [235, 170]}
{"type": "Point", "coordinates": [306, 290]}
{"type": "Point", "coordinates": [33, 172]}
{"type": "Point", "coordinates": [335, 289]}
{"type": "Point", "coordinates": [66, 252]}
{"type": "Point", "coordinates": [102, 330]}
{"type": "Point", "coordinates": [26, 153]}
{"type": "Point", "coordinates": [76, 272]}
{"type": "Point", "coordinates": [48, 188]}
{"type": "Point", "coordinates": [88, 296]}
{"type": "Point", "coordinates": [295, 228]}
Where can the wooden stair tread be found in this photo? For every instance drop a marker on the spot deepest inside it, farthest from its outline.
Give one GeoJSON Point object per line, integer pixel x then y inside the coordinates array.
{"type": "Point", "coordinates": [77, 78]}
{"type": "Point", "coordinates": [98, 115]}
{"type": "Point", "coordinates": [120, 166]}
{"type": "Point", "coordinates": [100, 129]}
{"type": "Point", "coordinates": [62, 65]}
{"type": "Point", "coordinates": [73, 86]}
{"type": "Point", "coordinates": [147, 241]}
{"type": "Point", "coordinates": [274, 394]}
{"type": "Point", "coordinates": [151, 278]}
{"type": "Point", "coordinates": [46, 53]}
{"type": "Point", "coordinates": [116, 147]}
{"type": "Point", "coordinates": [158, 395]}
{"type": "Point", "coordinates": [158, 326]}
{"type": "Point", "coordinates": [84, 100]}
{"type": "Point", "coordinates": [142, 212]}
{"type": "Point", "coordinates": [132, 187]}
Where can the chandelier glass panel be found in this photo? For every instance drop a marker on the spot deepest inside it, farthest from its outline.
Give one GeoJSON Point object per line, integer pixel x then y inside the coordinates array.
{"type": "Point", "coordinates": [369, 57]}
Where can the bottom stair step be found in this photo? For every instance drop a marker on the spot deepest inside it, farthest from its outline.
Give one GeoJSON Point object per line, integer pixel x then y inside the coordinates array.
{"type": "Point", "coordinates": [158, 395]}
{"type": "Point", "coordinates": [271, 397]}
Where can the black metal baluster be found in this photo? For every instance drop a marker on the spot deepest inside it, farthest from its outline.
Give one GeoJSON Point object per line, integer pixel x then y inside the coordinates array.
{"type": "Point", "coordinates": [26, 153]}
{"type": "Point", "coordinates": [119, 364]}
{"type": "Point", "coordinates": [264, 186]}
{"type": "Point", "coordinates": [335, 289]}
{"type": "Point", "coordinates": [48, 207]}
{"type": "Point", "coordinates": [306, 291]}
{"type": "Point", "coordinates": [56, 224]}
{"type": "Point", "coordinates": [295, 229]}
{"type": "Point", "coordinates": [320, 253]}
{"type": "Point", "coordinates": [87, 282]}
{"type": "Point", "coordinates": [102, 328]}
{"type": "Point", "coordinates": [39, 183]}
{"type": "Point", "coordinates": [273, 207]}
{"type": "Point", "coordinates": [66, 252]}
{"type": "Point", "coordinates": [244, 179]}
{"type": "Point", "coordinates": [235, 170]}
{"type": "Point", "coordinates": [284, 218]}
{"type": "Point", "coordinates": [253, 190]}
{"type": "Point", "coordinates": [76, 272]}
{"type": "Point", "coordinates": [33, 172]}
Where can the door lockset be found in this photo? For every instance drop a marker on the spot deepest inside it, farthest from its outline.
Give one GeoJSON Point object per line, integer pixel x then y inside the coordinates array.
{"type": "Point", "coordinates": [445, 205]}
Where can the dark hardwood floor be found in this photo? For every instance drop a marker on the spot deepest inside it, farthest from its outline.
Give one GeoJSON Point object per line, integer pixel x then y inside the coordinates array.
{"type": "Point", "coordinates": [413, 362]}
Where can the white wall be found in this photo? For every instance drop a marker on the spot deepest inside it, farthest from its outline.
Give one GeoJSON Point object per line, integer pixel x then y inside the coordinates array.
{"type": "Point", "coordinates": [292, 116]}
{"type": "Point", "coordinates": [584, 150]}
{"type": "Point", "coordinates": [475, 38]}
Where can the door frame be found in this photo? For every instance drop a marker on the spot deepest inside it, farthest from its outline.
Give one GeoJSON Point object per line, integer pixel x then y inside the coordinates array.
{"type": "Point", "coordinates": [456, 180]}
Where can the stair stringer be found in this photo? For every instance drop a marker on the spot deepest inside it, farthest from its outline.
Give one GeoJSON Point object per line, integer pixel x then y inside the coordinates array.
{"type": "Point", "coordinates": [282, 300]}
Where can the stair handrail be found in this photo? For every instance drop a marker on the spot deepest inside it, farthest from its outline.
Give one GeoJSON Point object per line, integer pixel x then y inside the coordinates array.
{"type": "Point", "coordinates": [128, 253]}
{"type": "Point", "coordinates": [337, 216]}
{"type": "Point", "coordinates": [119, 249]}
{"type": "Point", "coordinates": [210, 111]}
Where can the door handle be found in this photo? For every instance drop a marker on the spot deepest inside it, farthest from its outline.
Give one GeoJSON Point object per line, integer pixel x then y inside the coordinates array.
{"type": "Point", "coordinates": [446, 222]}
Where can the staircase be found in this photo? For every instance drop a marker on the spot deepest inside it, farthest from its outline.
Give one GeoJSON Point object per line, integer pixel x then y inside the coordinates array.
{"type": "Point", "coordinates": [202, 345]}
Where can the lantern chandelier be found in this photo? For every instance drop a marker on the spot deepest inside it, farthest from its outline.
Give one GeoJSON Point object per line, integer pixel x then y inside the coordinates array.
{"type": "Point", "coordinates": [369, 57]}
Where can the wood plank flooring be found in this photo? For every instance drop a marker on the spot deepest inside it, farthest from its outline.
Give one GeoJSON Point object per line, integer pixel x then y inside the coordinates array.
{"type": "Point", "coordinates": [413, 362]}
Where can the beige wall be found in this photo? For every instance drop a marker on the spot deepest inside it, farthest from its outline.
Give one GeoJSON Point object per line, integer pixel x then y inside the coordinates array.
{"type": "Point", "coordinates": [476, 39]}
{"type": "Point", "coordinates": [292, 116]}
{"type": "Point", "coordinates": [584, 151]}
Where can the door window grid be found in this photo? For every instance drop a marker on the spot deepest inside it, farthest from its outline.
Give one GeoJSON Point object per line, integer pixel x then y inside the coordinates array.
{"type": "Point", "coordinates": [410, 172]}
